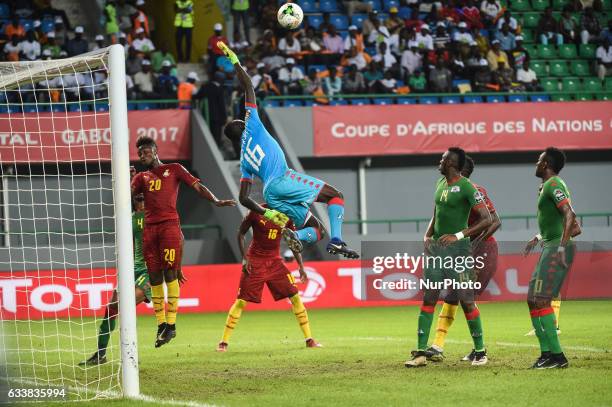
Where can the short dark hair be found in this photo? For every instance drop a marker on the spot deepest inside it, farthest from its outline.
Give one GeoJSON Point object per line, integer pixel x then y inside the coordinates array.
{"type": "Point", "coordinates": [469, 165]}
{"type": "Point", "coordinates": [145, 141]}
{"type": "Point", "coordinates": [555, 159]}
{"type": "Point", "coordinates": [460, 153]}
{"type": "Point", "coordinates": [233, 130]}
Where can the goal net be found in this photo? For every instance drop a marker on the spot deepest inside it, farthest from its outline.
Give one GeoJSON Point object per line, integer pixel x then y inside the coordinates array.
{"type": "Point", "coordinates": [66, 225]}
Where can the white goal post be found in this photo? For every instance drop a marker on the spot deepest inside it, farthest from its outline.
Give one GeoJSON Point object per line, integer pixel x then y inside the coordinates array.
{"type": "Point", "coordinates": [66, 225]}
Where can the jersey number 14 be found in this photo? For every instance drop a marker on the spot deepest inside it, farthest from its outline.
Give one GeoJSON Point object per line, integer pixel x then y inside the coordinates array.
{"type": "Point", "coordinates": [255, 155]}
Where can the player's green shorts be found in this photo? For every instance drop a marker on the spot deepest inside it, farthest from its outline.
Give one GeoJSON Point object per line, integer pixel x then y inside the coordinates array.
{"type": "Point", "coordinates": [549, 275]}
{"type": "Point", "coordinates": [142, 281]}
{"type": "Point", "coordinates": [449, 262]}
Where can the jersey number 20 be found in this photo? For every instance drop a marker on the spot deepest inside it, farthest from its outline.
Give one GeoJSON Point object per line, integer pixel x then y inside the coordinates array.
{"type": "Point", "coordinates": [255, 155]}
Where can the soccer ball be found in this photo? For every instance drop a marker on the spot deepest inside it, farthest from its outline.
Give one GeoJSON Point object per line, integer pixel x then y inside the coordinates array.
{"type": "Point", "coordinates": [290, 16]}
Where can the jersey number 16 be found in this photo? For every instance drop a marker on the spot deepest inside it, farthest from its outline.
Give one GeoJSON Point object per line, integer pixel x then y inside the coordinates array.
{"type": "Point", "coordinates": [254, 156]}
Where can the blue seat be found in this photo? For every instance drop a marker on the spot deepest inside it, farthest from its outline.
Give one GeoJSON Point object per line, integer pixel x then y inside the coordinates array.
{"type": "Point", "coordinates": [429, 100]}
{"type": "Point", "coordinates": [146, 106]}
{"type": "Point", "coordinates": [391, 3]}
{"type": "Point", "coordinates": [451, 100]}
{"type": "Point", "coordinates": [30, 109]}
{"type": "Point", "coordinates": [5, 11]}
{"type": "Point", "coordinates": [406, 101]}
{"type": "Point", "coordinates": [472, 99]}
{"type": "Point", "coordinates": [360, 101]}
{"type": "Point", "coordinates": [78, 107]}
{"type": "Point", "coordinates": [294, 103]}
{"type": "Point", "coordinates": [329, 6]}
{"type": "Point", "coordinates": [308, 6]}
{"type": "Point", "coordinates": [457, 82]}
{"type": "Point", "coordinates": [58, 107]}
{"type": "Point", "coordinates": [47, 26]}
{"type": "Point", "coordinates": [496, 99]}
{"type": "Point", "coordinates": [539, 98]}
{"type": "Point", "coordinates": [101, 107]}
{"type": "Point", "coordinates": [301, 68]}
{"type": "Point", "coordinates": [358, 19]}
{"type": "Point", "coordinates": [318, 68]}
{"type": "Point", "coordinates": [338, 102]}
{"type": "Point", "coordinates": [343, 34]}
{"type": "Point", "coordinates": [341, 22]}
{"type": "Point", "coordinates": [27, 24]}
{"type": "Point", "coordinates": [383, 101]}
{"type": "Point", "coordinates": [315, 20]}
{"type": "Point", "coordinates": [311, 102]}
{"type": "Point", "coordinates": [405, 13]}
{"type": "Point", "coordinates": [271, 103]}
{"type": "Point", "coordinates": [517, 98]}
{"type": "Point", "coordinates": [132, 106]}
{"type": "Point", "coordinates": [374, 3]}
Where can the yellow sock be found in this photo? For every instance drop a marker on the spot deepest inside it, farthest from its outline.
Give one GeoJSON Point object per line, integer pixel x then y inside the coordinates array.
{"type": "Point", "coordinates": [173, 298]}
{"type": "Point", "coordinates": [232, 319]}
{"type": "Point", "coordinates": [556, 306]}
{"type": "Point", "coordinates": [157, 296]}
{"type": "Point", "coordinates": [301, 315]}
{"type": "Point", "coordinates": [445, 320]}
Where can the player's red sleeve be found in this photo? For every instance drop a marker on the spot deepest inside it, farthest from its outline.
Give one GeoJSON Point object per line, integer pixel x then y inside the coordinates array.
{"type": "Point", "coordinates": [137, 182]}
{"type": "Point", "coordinates": [185, 175]}
{"type": "Point", "coordinates": [487, 200]}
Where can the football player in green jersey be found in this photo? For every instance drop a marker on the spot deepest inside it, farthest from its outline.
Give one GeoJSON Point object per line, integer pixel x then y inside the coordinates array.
{"type": "Point", "coordinates": [448, 237]}
{"type": "Point", "coordinates": [141, 282]}
{"type": "Point", "coordinates": [557, 224]}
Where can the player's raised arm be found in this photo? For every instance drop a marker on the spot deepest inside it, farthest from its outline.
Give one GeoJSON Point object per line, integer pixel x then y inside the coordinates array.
{"type": "Point", "coordinates": [245, 199]}
{"type": "Point", "coordinates": [208, 195]}
{"type": "Point", "coordinates": [241, 74]}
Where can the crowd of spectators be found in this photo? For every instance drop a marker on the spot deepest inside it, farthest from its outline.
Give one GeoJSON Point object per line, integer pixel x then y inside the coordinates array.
{"type": "Point", "coordinates": [438, 47]}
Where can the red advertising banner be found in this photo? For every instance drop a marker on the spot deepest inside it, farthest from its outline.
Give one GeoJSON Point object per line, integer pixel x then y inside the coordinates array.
{"type": "Point", "coordinates": [85, 136]}
{"type": "Point", "coordinates": [427, 129]}
{"type": "Point", "coordinates": [332, 284]}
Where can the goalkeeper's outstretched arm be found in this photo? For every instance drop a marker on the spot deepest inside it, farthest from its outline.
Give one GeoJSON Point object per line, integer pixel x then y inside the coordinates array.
{"type": "Point", "coordinates": [241, 74]}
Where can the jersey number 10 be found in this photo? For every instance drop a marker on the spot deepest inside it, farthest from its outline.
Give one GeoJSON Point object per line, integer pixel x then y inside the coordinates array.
{"type": "Point", "coordinates": [255, 155]}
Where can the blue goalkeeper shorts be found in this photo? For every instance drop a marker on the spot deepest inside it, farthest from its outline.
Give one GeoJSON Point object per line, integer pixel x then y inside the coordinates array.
{"type": "Point", "coordinates": [292, 194]}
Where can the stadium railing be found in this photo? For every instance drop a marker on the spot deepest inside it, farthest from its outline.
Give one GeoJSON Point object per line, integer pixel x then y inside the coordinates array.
{"type": "Point", "coordinates": [528, 219]}
{"type": "Point", "coordinates": [438, 98]}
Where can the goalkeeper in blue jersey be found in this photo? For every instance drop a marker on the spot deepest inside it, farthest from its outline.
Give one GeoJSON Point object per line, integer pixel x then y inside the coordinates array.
{"type": "Point", "coordinates": [288, 193]}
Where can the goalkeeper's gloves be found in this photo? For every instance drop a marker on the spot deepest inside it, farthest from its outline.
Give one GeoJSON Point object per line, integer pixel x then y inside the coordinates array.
{"type": "Point", "coordinates": [231, 55]}
{"type": "Point", "coordinates": [278, 218]}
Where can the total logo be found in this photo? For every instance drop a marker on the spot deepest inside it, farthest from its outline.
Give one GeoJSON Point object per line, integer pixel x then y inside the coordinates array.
{"type": "Point", "coordinates": [314, 287]}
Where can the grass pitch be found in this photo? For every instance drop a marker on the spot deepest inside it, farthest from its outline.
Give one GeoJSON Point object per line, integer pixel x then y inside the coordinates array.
{"type": "Point", "coordinates": [361, 363]}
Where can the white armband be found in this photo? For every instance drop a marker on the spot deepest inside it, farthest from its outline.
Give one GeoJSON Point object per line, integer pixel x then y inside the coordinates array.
{"type": "Point", "coordinates": [538, 237]}
{"type": "Point", "coordinates": [459, 235]}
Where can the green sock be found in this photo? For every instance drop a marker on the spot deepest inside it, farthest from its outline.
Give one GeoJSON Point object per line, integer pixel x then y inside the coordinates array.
{"type": "Point", "coordinates": [539, 331]}
{"type": "Point", "coordinates": [550, 330]}
{"type": "Point", "coordinates": [106, 327]}
{"type": "Point", "coordinates": [475, 326]}
{"type": "Point", "coordinates": [425, 320]}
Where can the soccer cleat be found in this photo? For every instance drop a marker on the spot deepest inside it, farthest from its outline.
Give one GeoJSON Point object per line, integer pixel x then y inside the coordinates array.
{"type": "Point", "coordinates": [480, 358]}
{"type": "Point", "coordinates": [159, 339]}
{"type": "Point", "coordinates": [222, 347]}
{"type": "Point", "coordinates": [418, 359]}
{"type": "Point", "coordinates": [541, 360]}
{"type": "Point", "coordinates": [311, 343]}
{"type": "Point", "coordinates": [337, 246]}
{"type": "Point", "coordinates": [555, 361]}
{"type": "Point", "coordinates": [469, 357]}
{"type": "Point", "coordinates": [434, 354]}
{"type": "Point", "coordinates": [292, 240]}
{"type": "Point", "coordinates": [94, 360]}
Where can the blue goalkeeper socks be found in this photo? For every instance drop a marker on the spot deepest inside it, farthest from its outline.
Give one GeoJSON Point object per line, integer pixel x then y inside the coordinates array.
{"type": "Point", "coordinates": [335, 209]}
{"type": "Point", "coordinates": [308, 235]}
